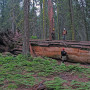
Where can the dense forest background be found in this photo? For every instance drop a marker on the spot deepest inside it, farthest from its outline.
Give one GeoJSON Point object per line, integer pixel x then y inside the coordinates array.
{"type": "Point", "coordinates": [74, 15]}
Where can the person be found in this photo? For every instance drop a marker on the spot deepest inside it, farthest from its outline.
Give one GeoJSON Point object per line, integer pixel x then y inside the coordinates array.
{"type": "Point", "coordinates": [53, 35]}
{"type": "Point", "coordinates": [64, 34]}
{"type": "Point", "coordinates": [63, 55]}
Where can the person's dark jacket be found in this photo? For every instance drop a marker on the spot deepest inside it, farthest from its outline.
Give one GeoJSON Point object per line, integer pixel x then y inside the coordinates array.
{"type": "Point", "coordinates": [63, 53]}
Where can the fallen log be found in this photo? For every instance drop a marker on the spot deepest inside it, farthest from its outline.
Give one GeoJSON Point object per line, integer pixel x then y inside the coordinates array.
{"type": "Point", "coordinates": [77, 51]}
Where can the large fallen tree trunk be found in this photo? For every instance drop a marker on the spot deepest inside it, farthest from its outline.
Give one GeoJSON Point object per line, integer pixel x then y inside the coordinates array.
{"type": "Point", "coordinates": [77, 51]}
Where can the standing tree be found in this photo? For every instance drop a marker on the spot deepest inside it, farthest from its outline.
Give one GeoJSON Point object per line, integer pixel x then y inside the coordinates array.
{"type": "Point", "coordinates": [44, 19]}
{"type": "Point", "coordinates": [13, 17]}
{"type": "Point", "coordinates": [26, 28]}
{"type": "Point", "coordinates": [41, 20]}
{"type": "Point", "coordinates": [84, 19]}
{"type": "Point", "coordinates": [4, 14]}
{"type": "Point", "coordinates": [14, 14]}
{"type": "Point", "coordinates": [58, 20]}
{"type": "Point", "coordinates": [72, 19]}
{"type": "Point", "coordinates": [88, 17]}
{"type": "Point", "coordinates": [80, 20]}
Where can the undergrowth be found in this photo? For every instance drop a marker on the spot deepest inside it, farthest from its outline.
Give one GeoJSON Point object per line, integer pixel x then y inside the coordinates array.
{"type": "Point", "coordinates": [80, 85]}
{"type": "Point", "coordinates": [56, 84]}
{"type": "Point", "coordinates": [20, 70]}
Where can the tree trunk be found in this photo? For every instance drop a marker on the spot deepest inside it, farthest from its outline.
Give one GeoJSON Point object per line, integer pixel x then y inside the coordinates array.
{"type": "Point", "coordinates": [2, 13]}
{"type": "Point", "coordinates": [13, 17]}
{"type": "Point", "coordinates": [72, 20]}
{"type": "Point", "coordinates": [14, 10]}
{"type": "Point", "coordinates": [34, 20]}
{"type": "Point", "coordinates": [44, 18]}
{"type": "Point", "coordinates": [41, 20]}
{"type": "Point", "coordinates": [26, 28]}
{"type": "Point", "coordinates": [84, 20]}
{"type": "Point", "coordinates": [88, 16]}
{"type": "Point", "coordinates": [58, 21]}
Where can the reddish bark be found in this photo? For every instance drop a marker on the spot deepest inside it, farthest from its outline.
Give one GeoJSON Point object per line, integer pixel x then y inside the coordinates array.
{"type": "Point", "coordinates": [51, 19]}
{"type": "Point", "coordinates": [77, 51]}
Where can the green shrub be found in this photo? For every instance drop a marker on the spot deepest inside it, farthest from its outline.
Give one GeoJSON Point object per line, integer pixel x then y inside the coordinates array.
{"type": "Point", "coordinates": [26, 80]}
{"type": "Point", "coordinates": [76, 68]}
{"type": "Point", "coordinates": [1, 80]}
{"type": "Point", "coordinates": [33, 37]}
{"type": "Point", "coordinates": [12, 86]}
{"type": "Point", "coordinates": [80, 85]}
{"type": "Point", "coordinates": [56, 84]}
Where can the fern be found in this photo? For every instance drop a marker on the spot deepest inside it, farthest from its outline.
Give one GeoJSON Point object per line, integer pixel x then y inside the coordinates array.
{"type": "Point", "coordinates": [81, 85]}
{"type": "Point", "coordinates": [56, 84]}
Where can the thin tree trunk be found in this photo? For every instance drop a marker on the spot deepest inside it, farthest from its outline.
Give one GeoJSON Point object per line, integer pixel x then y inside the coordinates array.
{"type": "Point", "coordinates": [43, 19]}
{"type": "Point", "coordinates": [58, 20]}
{"type": "Point", "coordinates": [13, 21]}
{"type": "Point", "coordinates": [2, 12]}
{"type": "Point", "coordinates": [13, 17]}
{"type": "Point", "coordinates": [72, 20]}
{"type": "Point", "coordinates": [26, 28]}
{"type": "Point", "coordinates": [34, 19]}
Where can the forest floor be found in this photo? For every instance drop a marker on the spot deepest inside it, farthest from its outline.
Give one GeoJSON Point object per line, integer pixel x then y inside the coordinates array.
{"type": "Point", "coordinates": [28, 73]}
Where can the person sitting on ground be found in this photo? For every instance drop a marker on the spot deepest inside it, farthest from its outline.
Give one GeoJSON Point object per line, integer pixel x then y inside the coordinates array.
{"type": "Point", "coordinates": [63, 55]}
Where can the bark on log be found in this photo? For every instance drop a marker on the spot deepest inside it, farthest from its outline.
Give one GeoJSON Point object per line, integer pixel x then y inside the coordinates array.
{"type": "Point", "coordinates": [77, 51]}
{"type": "Point", "coordinates": [73, 44]}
